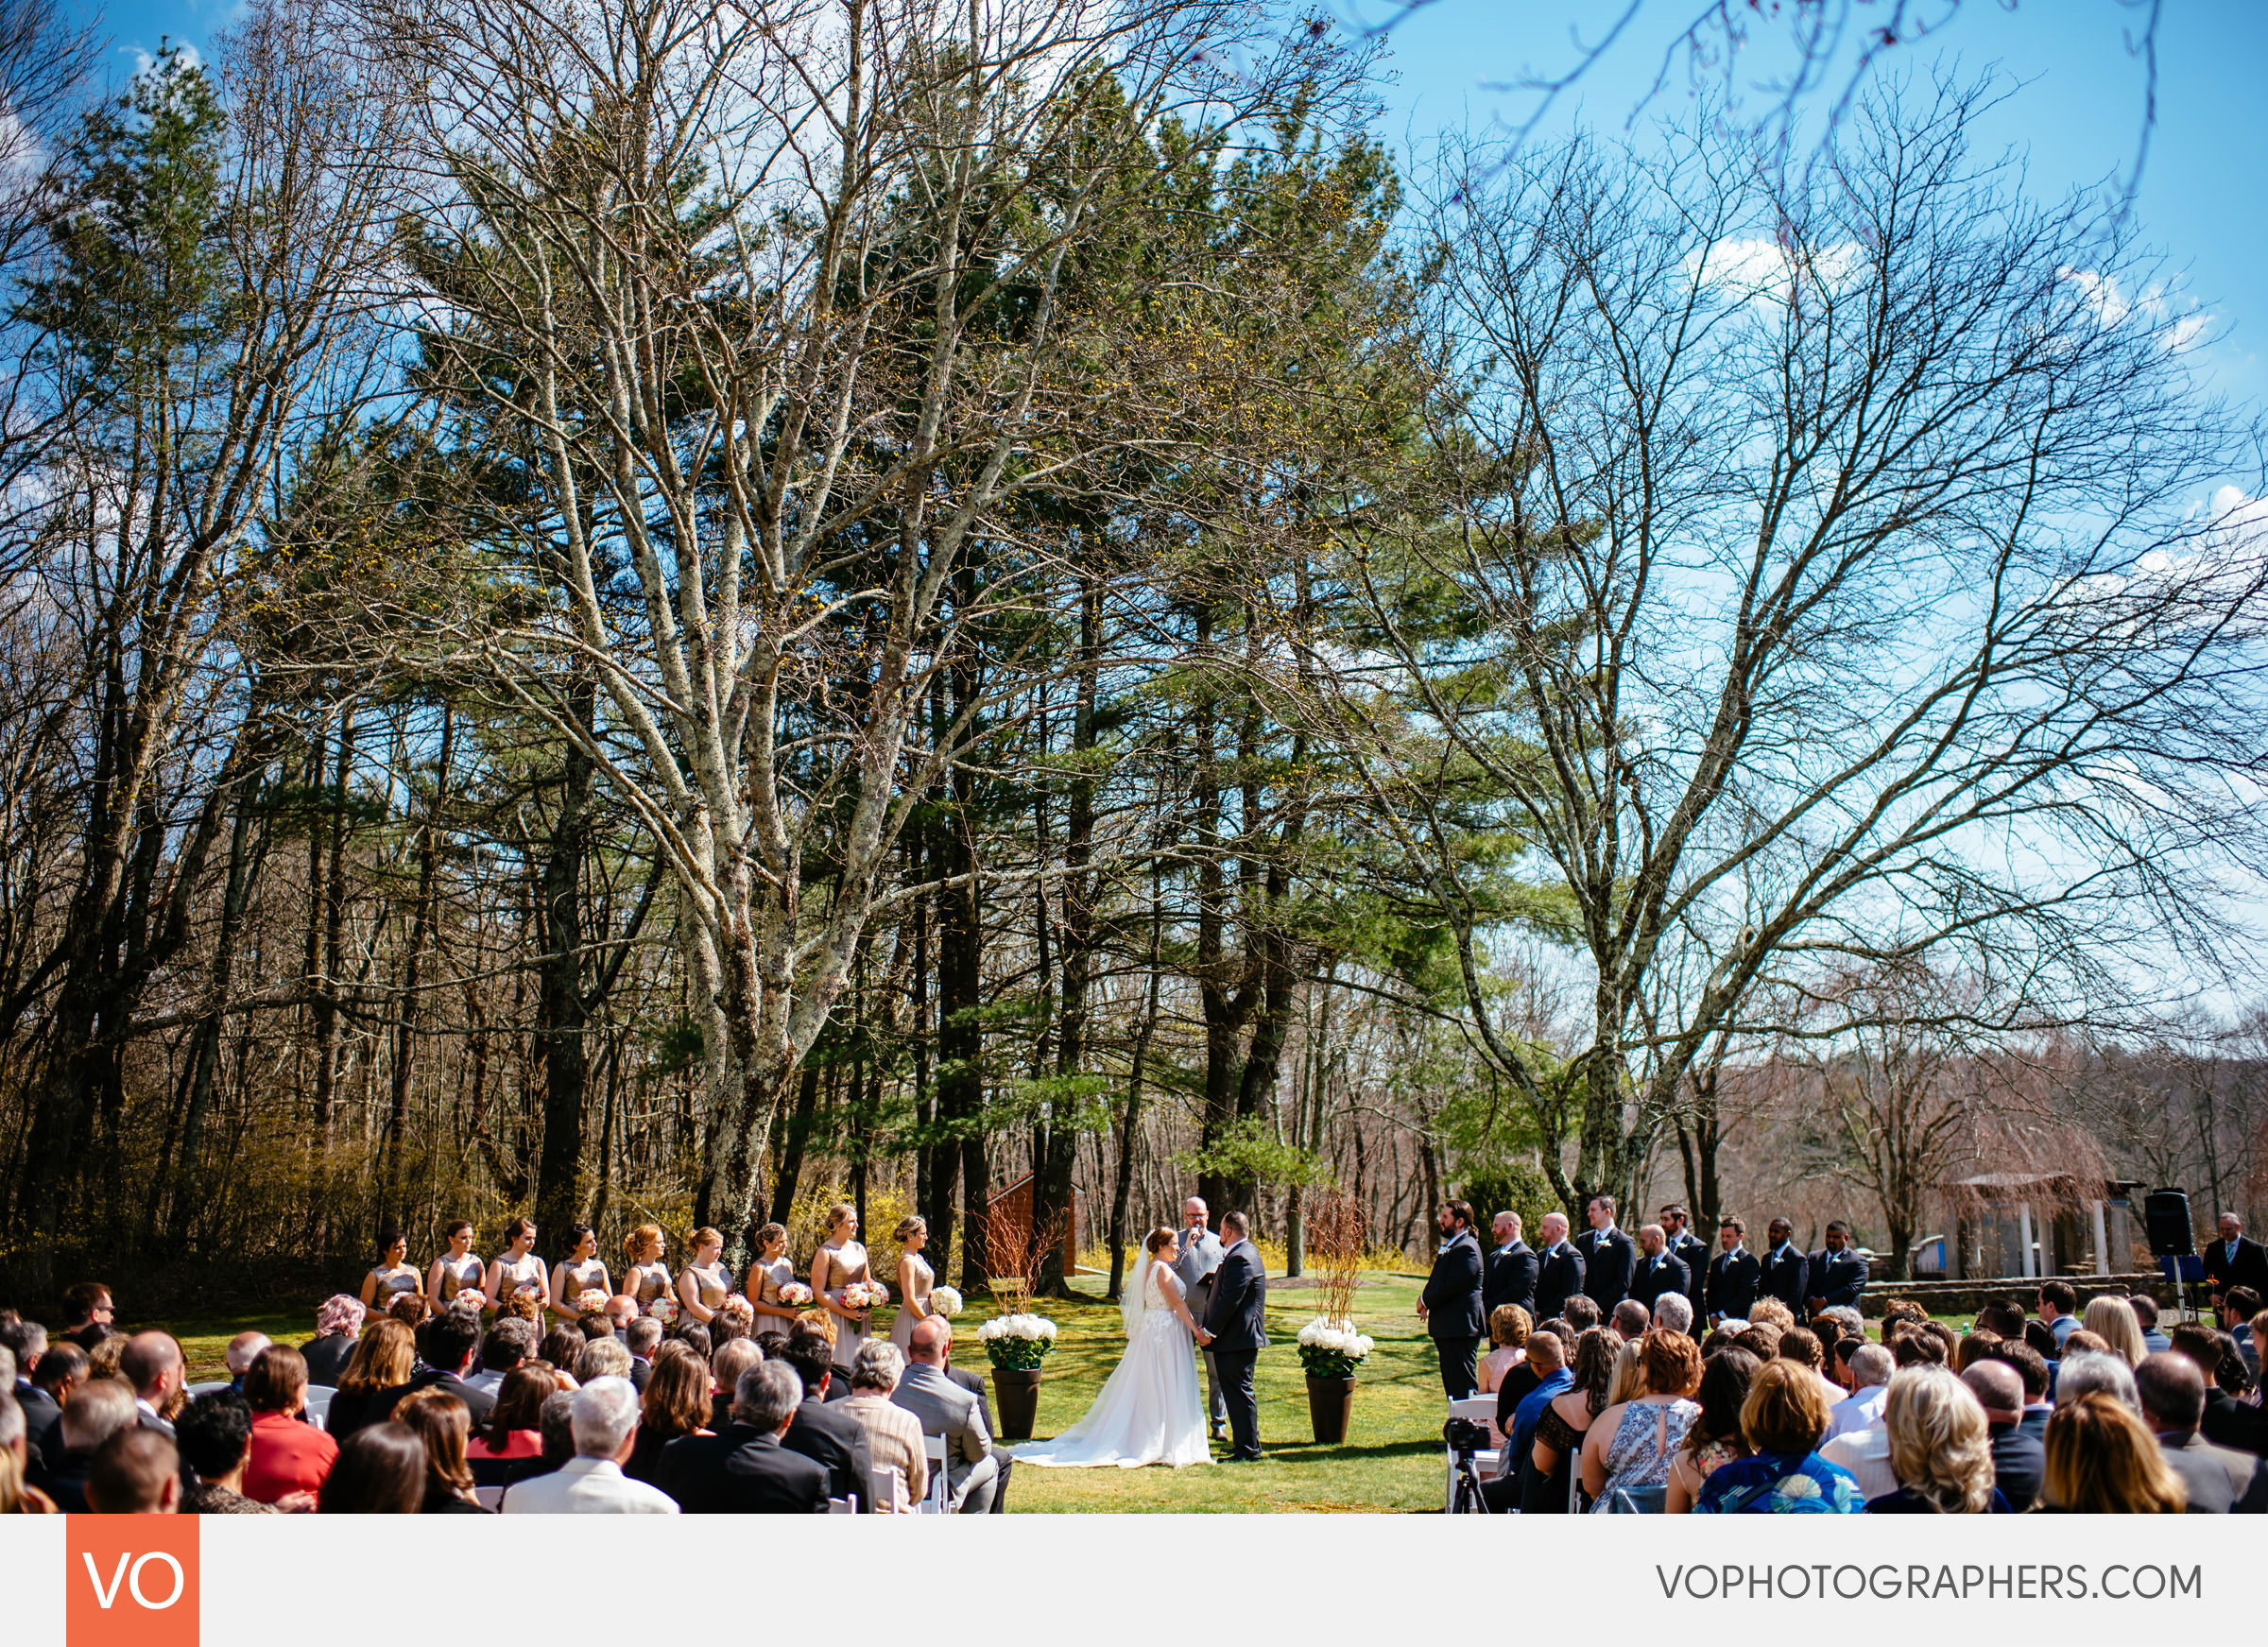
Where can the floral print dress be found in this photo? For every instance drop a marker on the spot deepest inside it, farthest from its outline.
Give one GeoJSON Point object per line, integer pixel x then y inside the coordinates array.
{"type": "Point", "coordinates": [1780, 1483]}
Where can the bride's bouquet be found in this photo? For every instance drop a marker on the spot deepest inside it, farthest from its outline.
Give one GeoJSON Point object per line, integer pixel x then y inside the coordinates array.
{"type": "Point", "coordinates": [1331, 1349]}
{"type": "Point", "coordinates": [946, 1301]}
{"type": "Point", "coordinates": [864, 1295]}
{"type": "Point", "coordinates": [1018, 1343]}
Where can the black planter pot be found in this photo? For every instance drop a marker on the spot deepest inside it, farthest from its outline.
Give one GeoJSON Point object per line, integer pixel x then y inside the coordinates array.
{"type": "Point", "coordinates": [1016, 1400]}
{"type": "Point", "coordinates": [1330, 1407]}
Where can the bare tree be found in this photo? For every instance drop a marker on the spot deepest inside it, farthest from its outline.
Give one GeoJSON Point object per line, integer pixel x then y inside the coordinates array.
{"type": "Point", "coordinates": [1815, 583]}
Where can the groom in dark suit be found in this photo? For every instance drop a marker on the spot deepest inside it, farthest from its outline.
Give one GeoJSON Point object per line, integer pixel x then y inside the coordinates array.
{"type": "Point", "coordinates": [1237, 1323]}
{"type": "Point", "coordinates": [1450, 1304]}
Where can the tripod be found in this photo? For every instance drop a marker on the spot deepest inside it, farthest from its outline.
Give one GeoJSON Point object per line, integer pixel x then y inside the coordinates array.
{"type": "Point", "coordinates": [1468, 1500]}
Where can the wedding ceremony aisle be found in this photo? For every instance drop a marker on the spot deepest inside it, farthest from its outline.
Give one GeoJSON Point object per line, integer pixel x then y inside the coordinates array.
{"type": "Point", "coordinates": [1391, 1459]}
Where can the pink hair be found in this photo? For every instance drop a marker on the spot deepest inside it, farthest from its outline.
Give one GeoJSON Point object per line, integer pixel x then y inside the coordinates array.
{"type": "Point", "coordinates": [339, 1313]}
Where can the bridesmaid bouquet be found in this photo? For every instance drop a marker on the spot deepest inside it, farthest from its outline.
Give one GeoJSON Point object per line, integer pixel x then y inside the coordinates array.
{"type": "Point", "coordinates": [664, 1308]}
{"type": "Point", "coordinates": [946, 1301]}
{"type": "Point", "coordinates": [864, 1295]}
{"type": "Point", "coordinates": [470, 1299]}
{"type": "Point", "coordinates": [795, 1295]}
{"type": "Point", "coordinates": [589, 1302]}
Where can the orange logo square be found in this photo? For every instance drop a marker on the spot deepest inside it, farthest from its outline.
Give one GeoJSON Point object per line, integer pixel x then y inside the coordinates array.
{"type": "Point", "coordinates": [129, 1581]}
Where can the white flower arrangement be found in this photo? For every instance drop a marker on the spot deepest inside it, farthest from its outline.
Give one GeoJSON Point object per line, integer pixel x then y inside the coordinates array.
{"type": "Point", "coordinates": [1019, 1342]}
{"type": "Point", "coordinates": [664, 1308]}
{"type": "Point", "coordinates": [1036, 1326]}
{"type": "Point", "coordinates": [589, 1302]}
{"type": "Point", "coordinates": [1332, 1349]}
{"type": "Point", "coordinates": [946, 1301]}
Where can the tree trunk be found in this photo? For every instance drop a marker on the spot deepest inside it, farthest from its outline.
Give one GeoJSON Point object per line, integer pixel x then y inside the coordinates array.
{"type": "Point", "coordinates": [561, 1009]}
{"type": "Point", "coordinates": [421, 927]}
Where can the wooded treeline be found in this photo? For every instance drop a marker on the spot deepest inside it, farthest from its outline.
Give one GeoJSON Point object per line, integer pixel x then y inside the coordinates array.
{"type": "Point", "coordinates": [636, 612]}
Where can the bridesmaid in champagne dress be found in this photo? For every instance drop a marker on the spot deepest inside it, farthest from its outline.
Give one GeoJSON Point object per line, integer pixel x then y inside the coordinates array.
{"type": "Point", "coordinates": [914, 1279]}
{"type": "Point", "coordinates": [516, 1269]}
{"type": "Point", "coordinates": [839, 1262]}
{"type": "Point", "coordinates": [392, 1276]}
{"type": "Point", "coordinates": [703, 1283]}
{"type": "Point", "coordinates": [581, 1271]}
{"type": "Point", "coordinates": [648, 1276]}
{"type": "Point", "coordinates": [772, 1270]}
{"type": "Point", "coordinates": [456, 1269]}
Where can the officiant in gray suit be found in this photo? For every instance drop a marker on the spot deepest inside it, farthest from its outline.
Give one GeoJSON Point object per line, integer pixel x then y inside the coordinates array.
{"type": "Point", "coordinates": [1199, 1257]}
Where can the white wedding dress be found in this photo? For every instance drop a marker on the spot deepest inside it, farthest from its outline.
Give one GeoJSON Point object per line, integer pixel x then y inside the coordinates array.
{"type": "Point", "coordinates": [1151, 1410]}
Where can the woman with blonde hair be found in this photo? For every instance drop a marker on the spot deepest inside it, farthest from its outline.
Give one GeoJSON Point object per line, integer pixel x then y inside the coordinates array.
{"type": "Point", "coordinates": [375, 1376]}
{"type": "Point", "coordinates": [2113, 1321]}
{"type": "Point", "coordinates": [646, 1278]}
{"type": "Point", "coordinates": [1629, 1380]}
{"type": "Point", "coordinates": [2102, 1460]}
{"type": "Point", "coordinates": [839, 1263]}
{"type": "Point", "coordinates": [704, 1283]}
{"type": "Point", "coordinates": [1940, 1447]}
{"type": "Point", "coordinates": [914, 1279]}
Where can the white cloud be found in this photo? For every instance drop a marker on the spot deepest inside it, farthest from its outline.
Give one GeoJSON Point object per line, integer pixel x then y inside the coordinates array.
{"type": "Point", "coordinates": [2180, 327]}
{"type": "Point", "coordinates": [1757, 268]}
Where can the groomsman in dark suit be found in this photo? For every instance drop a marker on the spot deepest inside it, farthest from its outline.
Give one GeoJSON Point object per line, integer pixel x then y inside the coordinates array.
{"type": "Point", "coordinates": [1558, 1267]}
{"type": "Point", "coordinates": [1836, 1274]}
{"type": "Point", "coordinates": [1509, 1273]}
{"type": "Point", "coordinates": [1450, 1304]}
{"type": "Point", "coordinates": [1658, 1271]}
{"type": "Point", "coordinates": [1609, 1257]}
{"type": "Point", "coordinates": [1688, 1249]}
{"type": "Point", "coordinates": [1734, 1277]}
{"type": "Point", "coordinates": [1785, 1269]}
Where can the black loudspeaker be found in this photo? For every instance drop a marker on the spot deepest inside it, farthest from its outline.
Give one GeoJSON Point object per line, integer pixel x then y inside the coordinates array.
{"type": "Point", "coordinates": [2167, 1215]}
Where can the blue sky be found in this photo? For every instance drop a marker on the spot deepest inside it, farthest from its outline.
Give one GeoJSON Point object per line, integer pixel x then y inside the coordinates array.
{"type": "Point", "coordinates": [2075, 109]}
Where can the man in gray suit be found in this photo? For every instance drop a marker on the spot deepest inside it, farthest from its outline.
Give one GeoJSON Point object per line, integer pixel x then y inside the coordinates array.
{"type": "Point", "coordinates": [1199, 1257]}
{"type": "Point", "coordinates": [973, 1382]}
{"type": "Point", "coordinates": [946, 1409]}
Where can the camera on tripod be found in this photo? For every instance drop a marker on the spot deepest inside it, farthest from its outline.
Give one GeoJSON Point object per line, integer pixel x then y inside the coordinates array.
{"type": "Point", "coordinates": [1464, 1435]}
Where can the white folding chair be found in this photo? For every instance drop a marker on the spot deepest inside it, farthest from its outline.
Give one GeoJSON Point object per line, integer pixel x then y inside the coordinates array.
{"type": "Point", "coordinates": [938, 1499]}
{"type": "Point", "coordinates": [489, 1497]}
{"type": "Point", "coordinates": [843, 1506]}
{"type": "Point", "coordinates": [318, 1403]}
{"type": "Point", "coordinates": [1474, 1410]}
{"type": "Point", "coordinates": [205, 1388]}
{"type": "Point", "coordinates": [885, 1485]}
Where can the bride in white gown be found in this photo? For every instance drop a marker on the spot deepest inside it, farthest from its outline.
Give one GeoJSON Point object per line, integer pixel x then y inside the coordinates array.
{"type": "Point", "coordinates": [1151, 1410]}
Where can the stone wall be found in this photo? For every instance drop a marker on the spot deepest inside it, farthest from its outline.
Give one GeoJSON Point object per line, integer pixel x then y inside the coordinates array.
{"type": "Point", "coordinates": [1968, 1297]}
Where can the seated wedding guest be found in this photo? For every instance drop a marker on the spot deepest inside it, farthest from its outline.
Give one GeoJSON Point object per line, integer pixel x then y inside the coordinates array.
{"type": "Point", "coordinates": [1909, 1345]}
{"type": "Point", "coordinates": [945, 1409]}
{"type": "Point", "coordinates": [96, 1411]}
{"type": "Point", "coordinates": [1771, 1313]}
{"type": "Point", "coordinates": [1582, 1313]}
{"type": "Point", "coordinates": [1630, 1320]}
{"type": "Point", "coordinates": [974, 1381]}
{"type": "Point", "coordinates": [604, 1425]}
{"type": "Point", "coordinates": [2039, 1337]}
{"type": "Point", "coordinates": [376, 1375]}
{"type": "Point", "coordinates": [1846, 1316]}
{"type": "Point", "coordinates": [2113, 1321]}
{"type": "Point", "coordinates": [527, 1307]}
{"type": "Point", "coordinates": [1518, 1420]}
{"type": "Point", "coordinates": [1631, 1447]}
{"type": "Point", "coordinates": [452, 1340]}
{"type": "Point", "coordinates": [238, 1357]}
{"type": "Point", "coordinates": [287, 1456]}
{"type": "Point", "coordinates": [512, 1435]}
{"type": "Point", "coordinates": [2102, 1460]}
{"type": "Point", "coordinates": [615, 1318]}
{"type": "Point", "coordinates": [1870, 1368]}
{"type": "Point", "coordinates": [2018, 1457]}
{"type": "Point", "coordinates": [152, 1362]}
{"type": "Point", "coordinates": [726, 1367]}
{"type": "Point", "coordinates": [106, 1355]}
{"type": "Point", "coordinates": [87, 1313]}
{"type": "Point", "coordinates": [894, 1445]}
{"type": "Point", "coordinates": [1801, 1345]}
{"type": "Point", "coordinates": [820, 1432]}
{"type": "Point", "coordinates": [554, 1425]}
{"type": "Point", "coordinates": [18, 1497]}
{"type": "Point", "coordinates": [602, 1357]}
{"type": "Point", "coordinates": [2252, 1397]}
{"type": "Point", "coordinates": [695, 1337]}
{"type": "Point", "coordinates": [381, 1471]}
{"type": "Point", "coordinates": [1550, 1467]}
{"type": "Point", "coordinates": [2057, 1306]}
{"type": "Point", "coordinates": [1940, 1449]}
{"type": "Point", "coordinates": [2033, 1373]}
{"type": "Point", "coordinates": [1674, 1312]}
{"type": "Point", "coordinates": [641, 1338]}
{"type": "Point", "coordinates": [1782, 1420]}
{"type": "Point", "coordinates": [2239, 1305]}
{"type": "Point", "coordinates": [442, 1422]}
{"type": "Point", "coordinates": [338, 1329]}
{"type": "Point", "coordinates": [136, 1472]}
{"type": "Point", "coordinates": [2228, 1421]}
{"type": "Point", "coordinates": [1508, 1328]}
{"type": "Point", "coordinates": [1629, 1380]}
{"type": "Point", "coordinates": [509, 1344]}
{"type": "Point", "coordinates": [2079, 1341]}
{"type": "Point", "coordinates": [560, 1346]}
{"type": "Point", "coordinates": [2145, 1316]}
{"type": "Point", "coordinates": [1760, 1339]}
{"type": "Point", "coordinates": [676, 1403]}
{"type": "Point", "coordinates": [392, 1276]}
{"type": "Point", "coordinates": [1976, 1345]}
{"type": "Point", "coordinates": [743, 1470]}
{"type": "Point", "coordinates": [2214, 1479]}
{"type": "Point", "coordinates": [1715, 1436]}
{"type": "Point", "coordinates": [214, 1435]}
{"type": "Point", "coordinates": [62, 1370]}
